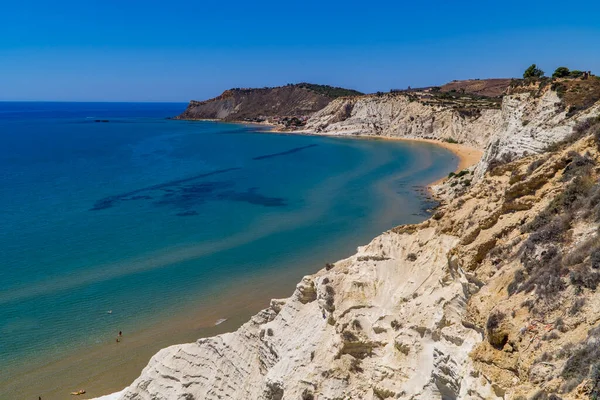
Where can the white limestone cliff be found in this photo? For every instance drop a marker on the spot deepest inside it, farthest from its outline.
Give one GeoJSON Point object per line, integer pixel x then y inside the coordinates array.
{"type": "Point", "coordinates": [402, 116]}
{"type": "Point", "coordinates": [386, 322]}
{"type": "Point", "coordinates": [529, 124]}
{"type": "Point", "coordinates": [525, 123]}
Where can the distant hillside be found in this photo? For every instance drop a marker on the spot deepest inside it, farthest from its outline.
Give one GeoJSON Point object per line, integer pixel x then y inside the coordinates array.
{"type": "Point", "coordinates": [237, 104]}
{"type": "Point", "coordinates": [480, 87]}
{"type": "Point", "coordinates": [329, 91]}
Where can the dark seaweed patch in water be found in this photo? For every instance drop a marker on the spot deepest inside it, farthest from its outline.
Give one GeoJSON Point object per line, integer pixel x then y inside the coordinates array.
{"type": "Point", "coordinates": [110, 201]}
{"type": "Point", "coordinates": [284, 153]}
{"type": "Point", "coordinates": [234, 131]}
{"type": "Point", "coordinates": [103, 204]}
{"type": "Point", "coordinates": [138, 197]}
{"type": "Point", "coordinates": [189, 196]}
{"type": "Point", "coordinates": [188, 213]}
{"type": "Point", "coordinates": [112, 121]}
{"type": "Point", "coordinates": [185, 194]}
{"type": "Point", "coordinates": [253, 197]}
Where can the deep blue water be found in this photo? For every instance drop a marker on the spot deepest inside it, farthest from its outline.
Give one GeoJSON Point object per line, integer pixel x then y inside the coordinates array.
{"type": "Point", "coordinates": [141, 214]}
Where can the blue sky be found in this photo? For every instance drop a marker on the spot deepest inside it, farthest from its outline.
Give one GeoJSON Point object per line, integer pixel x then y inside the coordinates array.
{"type": "Point", "coordinates": [179, 50]}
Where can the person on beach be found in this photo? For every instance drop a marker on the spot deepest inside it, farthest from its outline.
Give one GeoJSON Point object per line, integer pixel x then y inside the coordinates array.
{"type": "Point", "coordinates": [120, 333]}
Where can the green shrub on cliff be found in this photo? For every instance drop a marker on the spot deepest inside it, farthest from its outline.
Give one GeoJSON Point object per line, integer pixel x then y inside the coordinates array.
{"type": "Point", "coordinates": [575, 73]}
{"type": "Point", "coordinates": [533, 72]}
{"type": "Point", "coordinates": [564, 72]}
{"type": "Point", "coordinates": [561, 72]}
{"type": "Point", "coordinates": [329, 91]}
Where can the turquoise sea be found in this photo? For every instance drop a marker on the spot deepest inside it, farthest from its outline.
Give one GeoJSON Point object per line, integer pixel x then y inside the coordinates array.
{"type": "Point", "coordinates": [113, 217]}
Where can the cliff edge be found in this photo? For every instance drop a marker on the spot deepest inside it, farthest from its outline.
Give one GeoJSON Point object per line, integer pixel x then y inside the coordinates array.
{"type": "Point", "coordinates": [494, 297]}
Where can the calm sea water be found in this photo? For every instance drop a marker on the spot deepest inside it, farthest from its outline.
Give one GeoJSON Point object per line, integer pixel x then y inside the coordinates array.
{"type": "Point", "coordinates": [111, 225]}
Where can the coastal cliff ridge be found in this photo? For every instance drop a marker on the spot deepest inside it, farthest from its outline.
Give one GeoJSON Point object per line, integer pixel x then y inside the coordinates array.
{"type": "Point", "coordinates": [493, 297]}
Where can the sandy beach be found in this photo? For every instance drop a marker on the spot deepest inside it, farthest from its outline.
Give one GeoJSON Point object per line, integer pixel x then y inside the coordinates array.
{"type": "Point", "coordinates": [467, 155]}
{"type": "Point", "coordinates": [108, 367]}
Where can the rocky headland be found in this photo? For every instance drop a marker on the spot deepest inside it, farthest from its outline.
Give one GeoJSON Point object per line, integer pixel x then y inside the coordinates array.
{"type": "Point", "coordinates": [494, 297]}
{"type": "Point", "coordinates": [273, 104]}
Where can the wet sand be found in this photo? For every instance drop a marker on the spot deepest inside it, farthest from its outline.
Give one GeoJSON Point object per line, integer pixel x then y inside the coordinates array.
{"type": "Point", "coordinates": [109, 367]}
{"type": "Point", "coordinates": [467, 155]}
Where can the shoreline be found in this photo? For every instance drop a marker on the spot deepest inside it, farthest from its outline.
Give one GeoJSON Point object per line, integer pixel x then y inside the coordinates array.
{"type": "Point", "coordinates": [467, 156]}
{"type": "Point", "coordinates": [108, 367]}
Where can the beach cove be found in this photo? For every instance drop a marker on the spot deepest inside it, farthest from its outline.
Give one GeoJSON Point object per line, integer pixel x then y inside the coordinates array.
{"type": "Point", "coordinates": [226, 267]}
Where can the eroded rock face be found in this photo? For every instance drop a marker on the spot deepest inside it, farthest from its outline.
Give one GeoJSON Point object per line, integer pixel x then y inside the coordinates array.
{"type": "Point", "coordinates": [373, 325]}
{"type": "Point", "coordinates": [529, 124]}
{"type": "Point", "coordinates": [526, 253]}
{"type": "Point", "coordinates": [401, 116]}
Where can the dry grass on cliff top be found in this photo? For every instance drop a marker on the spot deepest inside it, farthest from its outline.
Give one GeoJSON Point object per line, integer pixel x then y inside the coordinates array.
{"type": "Point", "coordinates": [577, 94]}
{"type": "Point", "coordinates": [481, 87]}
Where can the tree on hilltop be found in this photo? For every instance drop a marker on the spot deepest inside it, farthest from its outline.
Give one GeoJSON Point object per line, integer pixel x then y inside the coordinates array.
{"type": "Point", "coordinates": [533, 72]}
{"type": "Point", "coordinates": [561, 72]}
{"type": "Point", "coordinates": [576, 73]}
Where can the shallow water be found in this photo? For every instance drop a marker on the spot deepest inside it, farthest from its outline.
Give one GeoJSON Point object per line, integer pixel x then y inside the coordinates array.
{"type": "Point", "coordinates": [126, 224]}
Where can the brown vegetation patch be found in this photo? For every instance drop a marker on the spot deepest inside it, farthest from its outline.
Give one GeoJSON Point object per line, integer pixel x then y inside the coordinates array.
{"type": "Point", "coordinates": [578, 94]}
{"type": "Point", "coordinates": [482, 87]}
